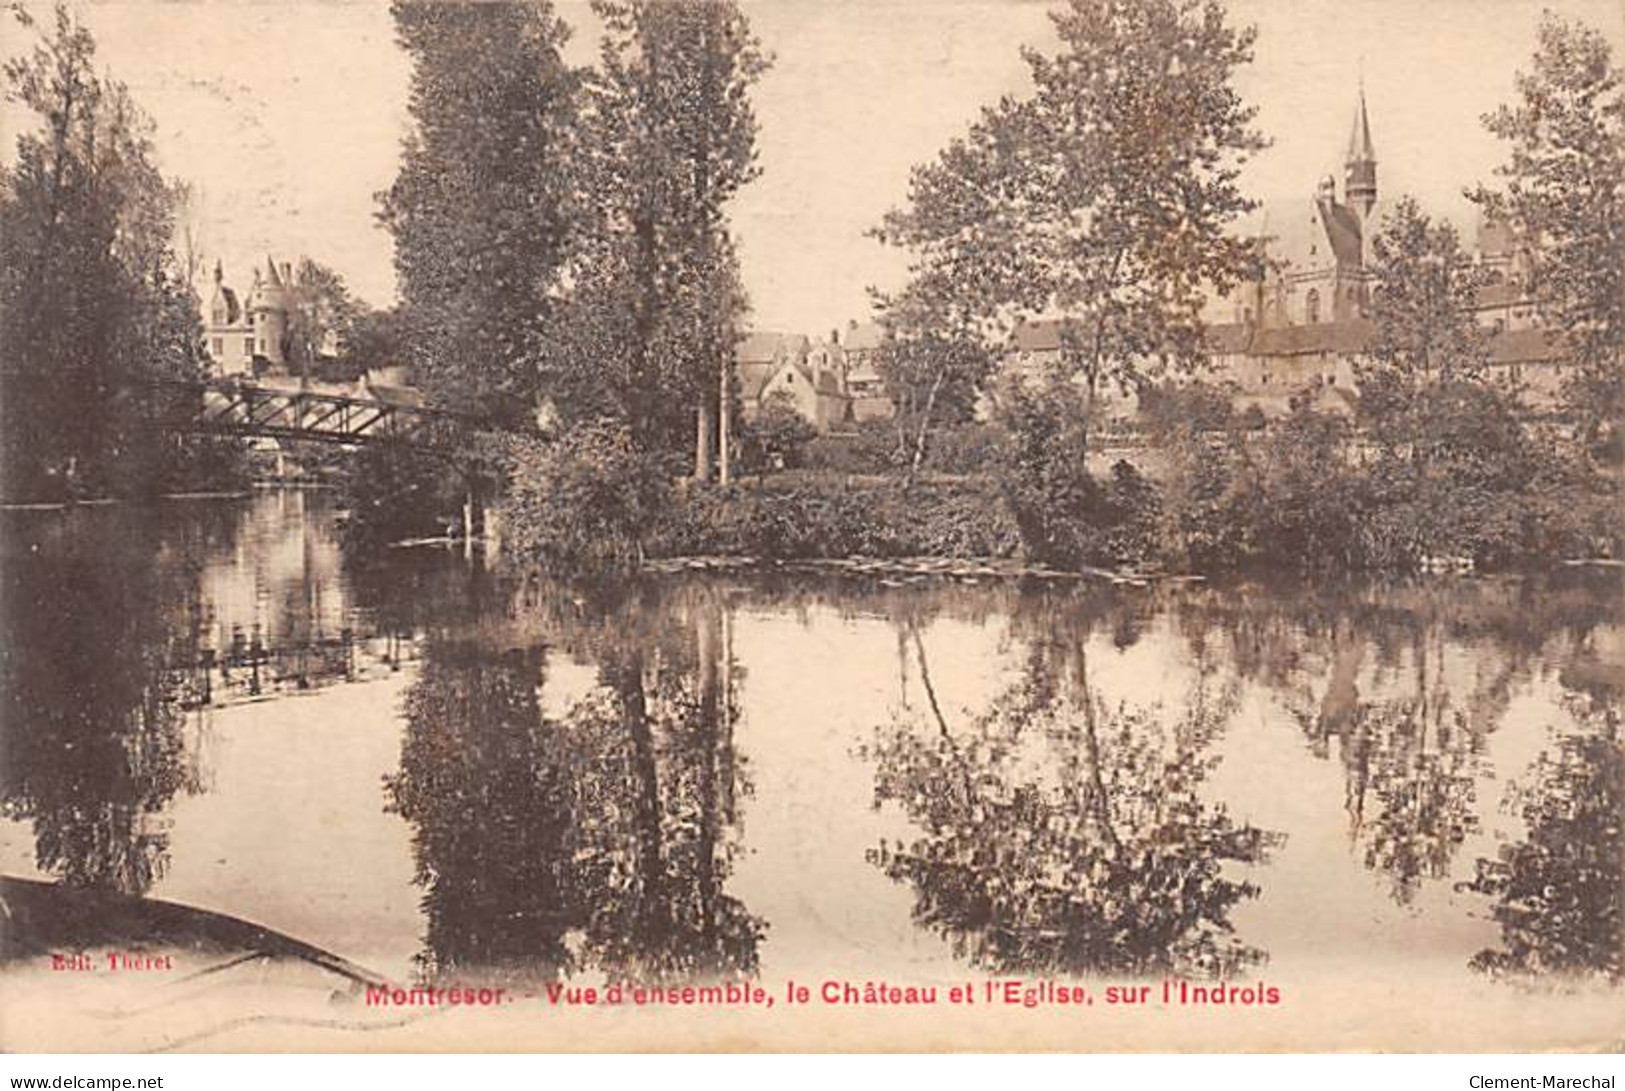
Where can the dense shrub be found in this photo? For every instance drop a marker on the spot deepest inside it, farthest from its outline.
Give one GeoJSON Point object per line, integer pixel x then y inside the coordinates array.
{"type": "Point", "coordinates": [584, 502]}
{"type": "Point", "coordinates": [777, 439]}
{"type": "Point", "coordinates": [827, 518]}
{"type": "Point", "coordinates": [874, 447]}
{"type": "Point", "coordinates": [966, 449]}
{"type": "Point", "coordinates": [871, 448]}
{"type": "Point", "coordinates": [1066, 516]}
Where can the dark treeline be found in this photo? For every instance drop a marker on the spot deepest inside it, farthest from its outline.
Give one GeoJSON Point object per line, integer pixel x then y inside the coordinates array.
{"type": "Point", "coordinates": [94, 298]}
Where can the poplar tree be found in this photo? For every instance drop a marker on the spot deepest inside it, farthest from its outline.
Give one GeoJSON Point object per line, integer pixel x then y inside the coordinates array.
{"type": "Point", "coordinates": [484, 206]}
{"type": "Point", "coordinates": [658, 294]}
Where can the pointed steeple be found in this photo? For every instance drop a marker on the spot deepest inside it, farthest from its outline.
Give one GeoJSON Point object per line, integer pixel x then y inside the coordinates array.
{"type": "Point", "coordinates": [1360, 149]}
{"type": "Point", "coordinates": [1360, 176]}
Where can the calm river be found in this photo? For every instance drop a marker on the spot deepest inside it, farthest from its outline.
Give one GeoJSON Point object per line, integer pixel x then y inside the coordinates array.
{"type": "Point", "coordinates": [1350, 790]}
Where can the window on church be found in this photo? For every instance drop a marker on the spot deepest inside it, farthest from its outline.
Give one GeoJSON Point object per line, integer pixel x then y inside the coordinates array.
{"type": "Point", "coordinates": [1311, 306]}
{"type": "Point", "coordinates": [248, 346]}
{"type": "Point", "coordinates": [219, 346]}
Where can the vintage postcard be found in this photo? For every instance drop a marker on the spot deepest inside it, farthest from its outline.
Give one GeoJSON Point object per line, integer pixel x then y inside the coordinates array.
{"type": "Point", "coordinates": [763, 525]}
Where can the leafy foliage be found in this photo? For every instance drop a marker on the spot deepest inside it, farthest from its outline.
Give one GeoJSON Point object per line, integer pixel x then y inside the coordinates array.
{"type": "Point", "coordinates": [1558, 898]}
{"type": "Point", "coordinates": [1564, 195]}
{"type": "Point", "coordinates": [586, 501]}
{"type": "Point", "coordinates": [1103, 197]}
{"type": "Point", "coordinates": [1111, 863]}
{"type": "Point", "coordinates": [93, 301]}
{"type": "Point", "coordinates": [669, 138]}
{"type": "Point", "coordinates": [778, 438]}
{"type": "Point", "coordinates": [486, 199]}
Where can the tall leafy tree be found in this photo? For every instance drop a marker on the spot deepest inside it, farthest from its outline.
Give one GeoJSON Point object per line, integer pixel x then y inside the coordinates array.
{"type": "Point", "coordinates": [933, 360]}
{"type": "Point", "coordinates": [1563, 191]}
{"type": "Point", "coordinates": [1426, 338]}
{"type": "Point", "coordinates": [658, 295]}
{"type": "Point", "coordinates": [1103, 197]}
{"type": "Point", "coordinates": [321, 316]}
{"type": "Point", "coordinates": [92, 302]}
{"type": "Point", "coordinates": [483, 206]}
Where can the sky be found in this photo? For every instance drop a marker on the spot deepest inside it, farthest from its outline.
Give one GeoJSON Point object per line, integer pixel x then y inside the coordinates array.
{"type": "Point", "coordinates": [287, 118]}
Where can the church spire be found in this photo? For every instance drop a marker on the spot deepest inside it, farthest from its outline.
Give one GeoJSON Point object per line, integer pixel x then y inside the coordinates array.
{"type": "Point", "coordinates": [1360, 179]}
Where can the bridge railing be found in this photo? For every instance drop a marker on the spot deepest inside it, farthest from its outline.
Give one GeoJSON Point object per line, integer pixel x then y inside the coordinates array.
{"type": "Point", "coordinates": [238, 408]}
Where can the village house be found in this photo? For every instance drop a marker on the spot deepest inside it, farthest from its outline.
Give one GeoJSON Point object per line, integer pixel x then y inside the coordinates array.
{"type": "Point", "coordinates": [770, 363]}
{"type": "Point", "coordinates": [832, 383]}
{"type": "Point", "coordinates": [870, 400]}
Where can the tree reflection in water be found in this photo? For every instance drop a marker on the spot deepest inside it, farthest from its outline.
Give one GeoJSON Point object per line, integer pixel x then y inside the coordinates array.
{"type": "Point", "coordinates": [94, 746]}
{"type": "Point", "coordinates": [1560, 892]}
{"type": "Point", "coordinates": [1063, 834]}
{"type": "Point", "coordinates": [599, 840]}
{"type": "Point", "coordinates": [1412, 765]}
{"type": "Point", "coordinates": [1374, 673]}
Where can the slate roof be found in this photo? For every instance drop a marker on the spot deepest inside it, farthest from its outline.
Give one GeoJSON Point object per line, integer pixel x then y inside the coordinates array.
{"type": "Point", "coordinates": [753, 376]}
{"type": "Point", "coordinates": [234, 310]}
{"type": "Point", "coordinates": [1322, 337]}
{"type": "Point", "coordinates": [1525, 347]}
{"type": "Point", "coordinates": [759, 347]}
{"type": "Point", "coordinates": [1040, 335]}
{"type": "Point", "coordinates": [1227, 338]}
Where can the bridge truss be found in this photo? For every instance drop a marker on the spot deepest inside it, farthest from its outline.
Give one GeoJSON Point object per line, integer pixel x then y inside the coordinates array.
{"type": "Point", "coordinates": [232, 408]}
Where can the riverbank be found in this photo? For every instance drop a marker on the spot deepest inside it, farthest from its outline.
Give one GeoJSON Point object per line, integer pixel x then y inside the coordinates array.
{"type": "Point", "coordinates": [1127, 525]}
{"type": "Point", "coordinates": [898, 571]}
{"type": "Point", "coordinates": [109, 501]}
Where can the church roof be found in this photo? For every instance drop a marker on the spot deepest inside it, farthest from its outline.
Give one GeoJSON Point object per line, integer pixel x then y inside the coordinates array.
{"type": "Point", "coordinates": [1303, 232]}
{"type": "Point", "coordinates": [1525, 347]}
{"type": "Point", "coordinates": [1317, 338]}
{"type": "Point", "coordinates": [1342, 232]}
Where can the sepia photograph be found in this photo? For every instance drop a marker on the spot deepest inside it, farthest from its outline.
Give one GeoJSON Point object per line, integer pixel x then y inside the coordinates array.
{"type": "Point", "coordinates": [761, 526]}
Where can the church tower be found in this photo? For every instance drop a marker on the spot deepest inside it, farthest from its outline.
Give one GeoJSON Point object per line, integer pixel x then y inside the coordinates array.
{"type": "Point", "coordinates": [1360, 181]}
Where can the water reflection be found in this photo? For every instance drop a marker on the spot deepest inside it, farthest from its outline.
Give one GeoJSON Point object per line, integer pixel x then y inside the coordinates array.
{"type": "Point", "coordinates": [1560, 891]}
{"type": "Point", "coordinates": [601, 839]}
{"type": "Point", "coordinates": [1060, 833]}
{"type": "Point", "coordinates": [566, 781]}
{"type": "Point", "coordinates": [1404, 684]}
{"type": "Point", "coordinates": [95, 744]}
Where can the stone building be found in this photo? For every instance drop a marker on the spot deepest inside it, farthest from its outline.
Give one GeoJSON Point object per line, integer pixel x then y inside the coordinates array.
{"type": "Point", "coordinates": [249, 337]}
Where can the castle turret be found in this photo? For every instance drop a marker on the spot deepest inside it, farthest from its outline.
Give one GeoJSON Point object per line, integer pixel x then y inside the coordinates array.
{"type": "Point", "coordinates": [1360, 181]}
{"type": "Point", "coordinates": [268, 307]}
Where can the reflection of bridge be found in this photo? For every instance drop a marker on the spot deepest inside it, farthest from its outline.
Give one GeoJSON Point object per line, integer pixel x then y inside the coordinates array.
{"type": "Point", "coordinates": [225, 407]}
{"type": "Point", "coordinates": [248, 668]}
